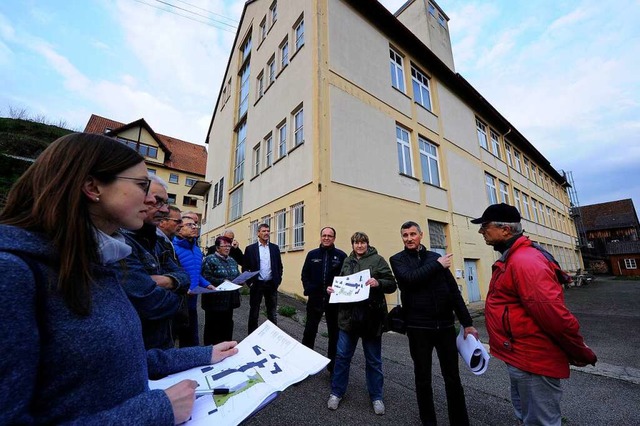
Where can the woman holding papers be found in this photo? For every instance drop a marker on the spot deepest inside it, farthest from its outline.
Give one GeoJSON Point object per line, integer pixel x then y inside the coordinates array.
{"type": "Point", "coordinates": [72, 349]}
{"type": "Point", "coordinates": [218, 307]}
{"type": "Point", "coordinates": [362, 320]}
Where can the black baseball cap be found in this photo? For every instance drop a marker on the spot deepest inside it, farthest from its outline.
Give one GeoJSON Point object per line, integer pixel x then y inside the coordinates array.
{"type": "Point", "coordinates": [499, 213]}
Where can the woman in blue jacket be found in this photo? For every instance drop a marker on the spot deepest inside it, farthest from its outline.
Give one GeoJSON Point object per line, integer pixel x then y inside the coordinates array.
{"type": "Point", "coordinates": [72, 341]}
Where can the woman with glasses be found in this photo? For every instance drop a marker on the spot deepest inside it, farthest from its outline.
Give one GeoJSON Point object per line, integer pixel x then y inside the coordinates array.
{"type": "Point", "coordinates": [190, 256]}
{"type": "Point", "coordinates": [218, 307]}
{"type": "Point", "coordinates": [72, 349]}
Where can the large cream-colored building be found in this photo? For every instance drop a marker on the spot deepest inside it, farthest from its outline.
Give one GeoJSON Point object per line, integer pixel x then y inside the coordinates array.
{"type": "Point", "coordinates": [179, 163]}
{"type": "Point", "coordinates": [340, 113]}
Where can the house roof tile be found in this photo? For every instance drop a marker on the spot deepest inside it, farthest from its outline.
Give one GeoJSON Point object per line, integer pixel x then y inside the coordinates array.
{"type": "Point", "coordinates": [613, 214]}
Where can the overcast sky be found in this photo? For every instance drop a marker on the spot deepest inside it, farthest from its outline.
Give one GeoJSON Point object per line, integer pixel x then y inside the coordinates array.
{"type": "Point", "coordinates": [565, 73]}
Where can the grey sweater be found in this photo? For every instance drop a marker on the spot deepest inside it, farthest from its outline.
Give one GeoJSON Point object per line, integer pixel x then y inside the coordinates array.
{"type": "Point", "coordinates": [71, 369]}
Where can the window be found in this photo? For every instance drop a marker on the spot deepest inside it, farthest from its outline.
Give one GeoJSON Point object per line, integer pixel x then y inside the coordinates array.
{"type": "Point", "coordinates": [235, 206]}
{"type": "Point", "coordinates": [268, 148]}
{"type": "Point", "coordinates": [171, 198]}
{"type": "Point", "coordinates": [190, 181]}
{"type": "Point", "coordinates": [441, 21]}
{"type": "Point", "coordinates": [397, 71]}
{"type": "Point", "coordinates": [516, 197]}
{"type": "Point", "coordinates": [404, 151]}
{"type": "Point", "coordinates": [267, 220]}
{"type": "Point", "coordinates": [256, 160]}
{"type": "Point", "coordinates": [253, 231]}
{"type": "Point", "coordinates": [215, 196]}
{"type": "Point", "coordinates": [555, 219]}
{"type": "Point", "coordinates": [429, 162]}
{"type": "Point", "coordinates": [189, 201]}
{"type": "Point", "coordinates": [504, 192]}
{"type": "Point", "coordinates": [299, 34]}
{"type": "Point", "coordinates": [151, 171]}
{"type": "Point", "coordinates": [246, 48]}
{"type": "Point", "coordinates": [260, 84]}
{"type": "Point", "coordinates": [282, 140]}
{"type": "Point", "coordinates": [525, 206]}
{"type": "Point", "coordinates": [298, 127]}
{"type": "Point", "coordinates": [220, 190]}
{"type": "Point", "coordinates": [549, 216]}
{"type": "Point", "coordinates": [297, 213]}
{"type": "Point", "coordinates": [421, 88]}
{"type": "Point", "coordinates": [534, 173]}
{"type": "Point", "coordinates": [534, 204]}
{"type": "Point", "coordinates": [526, 167]}
{"type": "Point", "coordinates": [432, 10]}
{"type": "Point", "coordinates": [263, 29]}
{"type": "Point", "coordinates": [271, 66]}
{"type": "Point", "coordinates": [437, 237]}
{"type": "Point", "coordinates": [507, 149]}
{"type": "Point", "coordinates": [243, 95]}
{"type": "Point", "coordinates": [173, 178]}
{"type": "Point", "coordinates": [281, 230]}
{"type": "Point", "coordinates": [516, 158]}
{"type": "Point", "coordinates": [481, 129]}
{"type": "Point", "coordinates": [238, 169]}
{"type": "Point", "coordinates": [495, 144]}
{"type": "Point", "coordinates": [490, 183]}
{"type": "Point", "coordinates": [142, 148]}
{"type": "Point", "coordinates": [630, 264]}
{"type": "Point", "coordinates": [273, 12]}
{"type": "Point", "coordinates": [284, 54]}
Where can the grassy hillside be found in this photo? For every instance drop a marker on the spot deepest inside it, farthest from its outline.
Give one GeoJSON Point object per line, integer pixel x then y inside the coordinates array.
{"type": "Point", "coordinates": [22, 138]}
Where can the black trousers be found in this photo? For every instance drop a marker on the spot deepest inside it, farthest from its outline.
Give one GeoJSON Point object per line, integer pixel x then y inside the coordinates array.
{"type": "Point", "coordinates": [218, 326]}
{"type": "Point", "coordinates": [421, 344]}
{"type": "Point", "coordinates": [260, 289]}
{"type": "Point", "coordinates": [317, 304]}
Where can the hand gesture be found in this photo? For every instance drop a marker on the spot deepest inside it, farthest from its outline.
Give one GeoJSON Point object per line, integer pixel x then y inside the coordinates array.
{"type": "Point", "coordinates": [182, 395]}
{"type": "Point", "coordinates": [445, 260]}
{"type": "Point", "coordinates": [223, 350]}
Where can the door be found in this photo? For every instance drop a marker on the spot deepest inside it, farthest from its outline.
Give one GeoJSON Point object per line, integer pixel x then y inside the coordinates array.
{"type": "Point", "coordinates": [471, 277]}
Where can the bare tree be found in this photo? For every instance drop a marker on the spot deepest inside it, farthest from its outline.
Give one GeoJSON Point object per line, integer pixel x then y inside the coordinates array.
{"type": "Point", "coordinates": [18, 113]}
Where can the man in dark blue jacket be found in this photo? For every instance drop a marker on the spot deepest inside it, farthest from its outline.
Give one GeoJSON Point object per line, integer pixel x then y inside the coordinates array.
{"type": "Point", "coordinates": [430, 296]}
{"type": "Point", "coordinates": [264, 257]}
{"type": "Point", "coordinates": [320, 266]}
{"type": "Point", "coordinates": [152, 279]}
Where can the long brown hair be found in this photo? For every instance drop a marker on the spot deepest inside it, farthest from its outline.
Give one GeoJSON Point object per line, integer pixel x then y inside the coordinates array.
{"type": "Point", "coordinates": [48, 198]}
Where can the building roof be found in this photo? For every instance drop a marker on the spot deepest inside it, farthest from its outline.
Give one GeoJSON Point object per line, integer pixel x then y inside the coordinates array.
{"type": "Point", "coordinates": [623, 247]}
{"type": "Point", "coordinates": [180, 155]}
{"type": "Point", "coordinates": [610, 215]}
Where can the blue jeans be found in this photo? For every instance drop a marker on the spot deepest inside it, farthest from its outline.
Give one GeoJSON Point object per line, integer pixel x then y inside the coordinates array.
{"type": "Point", "coordinates": [535, 398]}
{"type": "Point", "coordinates": [372, 347]}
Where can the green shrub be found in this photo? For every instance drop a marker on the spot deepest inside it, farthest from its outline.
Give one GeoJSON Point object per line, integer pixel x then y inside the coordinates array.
{"type": "Point", "coordinates": [287, 311]}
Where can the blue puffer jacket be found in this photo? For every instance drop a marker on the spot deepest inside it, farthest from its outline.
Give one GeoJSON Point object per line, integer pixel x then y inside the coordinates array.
{"type": "Point", "coordinates": [190, 257]}
{"type": "Point", "coordinates": [58, 367]}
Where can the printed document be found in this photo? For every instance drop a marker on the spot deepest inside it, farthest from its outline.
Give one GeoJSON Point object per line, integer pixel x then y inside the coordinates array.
{"type": "Point", "coordinates": [350, 288]}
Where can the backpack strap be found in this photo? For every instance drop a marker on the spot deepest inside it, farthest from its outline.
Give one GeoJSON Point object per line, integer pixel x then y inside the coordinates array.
{"type": "Point", "coordinates": [562, 277]}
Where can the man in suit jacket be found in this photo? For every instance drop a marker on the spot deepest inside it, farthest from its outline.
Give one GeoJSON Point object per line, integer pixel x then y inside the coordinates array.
{"type": "Point", "coordinates": [263, 256]}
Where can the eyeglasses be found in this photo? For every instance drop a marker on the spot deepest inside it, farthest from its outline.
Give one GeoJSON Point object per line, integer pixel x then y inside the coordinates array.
{"type": "Point", "coordinates": [191, 225]}
{"type": "Point", "coordinates": [160, 203]}
{"type": "Point", "coordinates": [143, 183]}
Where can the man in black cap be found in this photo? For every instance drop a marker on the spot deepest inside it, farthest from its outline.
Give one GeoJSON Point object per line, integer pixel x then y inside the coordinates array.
{"type": "Point", "coordinates": [529, 326]}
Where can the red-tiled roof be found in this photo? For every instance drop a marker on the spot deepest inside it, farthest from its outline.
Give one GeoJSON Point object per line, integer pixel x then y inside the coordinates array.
{"type": "Point", "coordinates": [614, 214]}
{"type": "Point", "coordinates": [185, 156]}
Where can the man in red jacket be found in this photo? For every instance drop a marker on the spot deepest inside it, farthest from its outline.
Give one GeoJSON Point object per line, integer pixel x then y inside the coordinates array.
{"type": "Point", "coordinates": [529, 326]}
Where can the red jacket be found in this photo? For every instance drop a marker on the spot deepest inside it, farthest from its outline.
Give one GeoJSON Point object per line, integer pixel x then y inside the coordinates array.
{"type": "Point", "coordinates": [528, 323]}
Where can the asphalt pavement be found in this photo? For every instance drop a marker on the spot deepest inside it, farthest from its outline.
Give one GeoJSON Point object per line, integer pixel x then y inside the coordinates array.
{"type": "Point", "coordinates": [608, 394]}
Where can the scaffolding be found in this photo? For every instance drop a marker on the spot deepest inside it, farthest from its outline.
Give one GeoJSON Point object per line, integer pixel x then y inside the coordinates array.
{"type": "Point", "coordinates": [574, 211]}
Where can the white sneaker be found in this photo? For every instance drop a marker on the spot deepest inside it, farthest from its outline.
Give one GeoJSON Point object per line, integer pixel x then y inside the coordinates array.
{"type": "Point", "coordinates": [333, 402]}
{"type": "Point", "coordinates": [378, 407]}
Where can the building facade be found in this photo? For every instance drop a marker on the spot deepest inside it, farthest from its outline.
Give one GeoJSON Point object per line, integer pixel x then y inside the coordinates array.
{"type": "Point", "coordinates": [179, 163]}
{"type": "Point", "coordinates": [340, 113]}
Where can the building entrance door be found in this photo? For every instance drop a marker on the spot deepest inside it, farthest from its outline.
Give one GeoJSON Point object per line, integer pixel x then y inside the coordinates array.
{"type": "Point", "coordinates": [471, 277]}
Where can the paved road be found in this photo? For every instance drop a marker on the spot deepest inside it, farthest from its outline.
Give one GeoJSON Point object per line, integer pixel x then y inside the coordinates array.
{"type": "Point", "coordinates": [606, 395]}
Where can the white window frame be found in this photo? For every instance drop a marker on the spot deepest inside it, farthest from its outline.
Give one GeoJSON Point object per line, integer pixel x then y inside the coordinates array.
{"type": "Point", "coordinates": [495, 144]}
{"type": "Point", "coordinates": [253, 231]}
{"type": "Point", "coordinates": [404, 151]}
{"type": "Point", "coordinates": [268, 150]}
{"type": "Point", "coordinates": [235, 204]}
{"type": "Point", "coordinates": [271, 66]}
{"type": "Point", "coordinates": [260, 84]}
{"type": "Point", "coordinates": [297, 218]}
{"type": "Point", "coordinates": [525, 206]}
{"type": "Point", "coordinates": [298, 33]}
{"type": "Point", "coordinates": [273, 12]}
{"type": "Point", "coordinates": [174, 178]}
{"type": "Point", "coordinates": [549, 216]}
{"type": "Point", "coordinates": [421, 88]}
{"type": "Point", "coordinates": [281, 229]}
{"type": "Point", "coordinates": [263, 29]}
{"type": "Point", "coordinates": [504, 192]}
{"type": "Point", "coordinates": [397, 70]}
{"type": "Point", "coordinates": [490, 184]}
{"type": "Point", "coordinates": [527, 166]}
{"type": "Point", "coordinates": [534, 173]}
{"type": "Point", "coordinates": [238, 167]}
{"type": "Point", "coordinates": [534, 204]}
{"type": "Point", "coordinates": [189, 181]}
{"type": "Point", "coordinates": [429, 161]}
{"type": "Point", "coordinates": [630, 264]}
{"type": "Point", "coordinates": [516, 200]}
{"type": "Point", "coordinates": [481, 130]}
{"type": "Point", "coordinates": [298, 127]}
{"type": "Point", "coordinates": [284, 53]}
{"type": "Point", "coordinates": [256, 159]}
{"type": "Point", "coordinates": [517, 164]}
{"type": "Point", "coordinates": [243, 92]}
{"type": "Point", "coordinates": [507, 150]}
{"type": "Point", "coordinates": [282, 139]}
